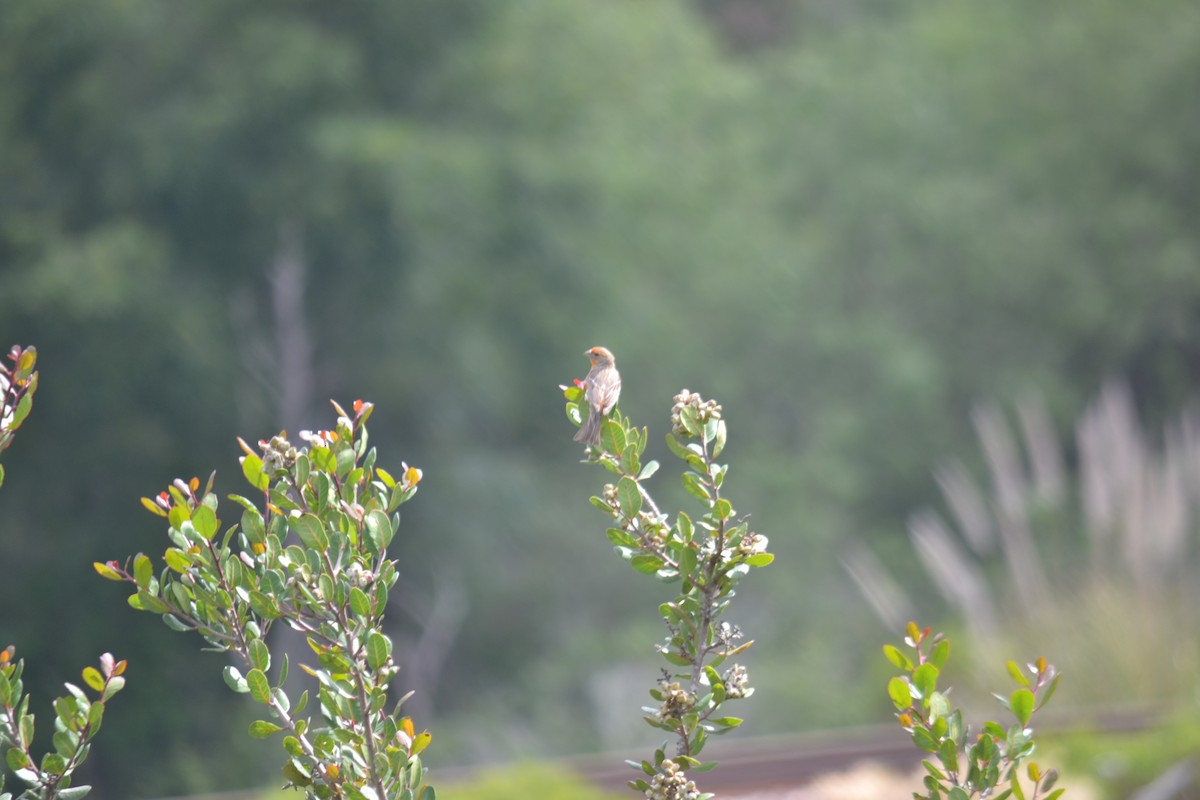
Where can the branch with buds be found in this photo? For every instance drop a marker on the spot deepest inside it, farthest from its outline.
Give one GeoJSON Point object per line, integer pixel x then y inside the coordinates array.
{"type": "Point", "coordinates": [311, 553]}
{"type": "Point", "coordinates": [705, 558]}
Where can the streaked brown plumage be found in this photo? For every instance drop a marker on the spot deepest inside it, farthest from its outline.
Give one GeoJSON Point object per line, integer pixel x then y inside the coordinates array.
{"type": "Point", "coordinates": [601, 389]}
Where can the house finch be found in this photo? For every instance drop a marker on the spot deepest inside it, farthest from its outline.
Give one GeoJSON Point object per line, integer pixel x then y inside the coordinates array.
{"type": "Point", "coordinates": [601, 389]}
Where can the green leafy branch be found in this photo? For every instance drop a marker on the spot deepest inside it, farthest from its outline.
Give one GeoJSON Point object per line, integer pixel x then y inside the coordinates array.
{"type": "Point", "coordinates": [17, 387]}
{"type": "Point", "coordinates": [313, 554]}
{"type": "Point", "coordinates": [705, 557]}
{"type": "Point", "coordinates": [970, 767]}
{"type": "Point", "coordinates": [76, 722]}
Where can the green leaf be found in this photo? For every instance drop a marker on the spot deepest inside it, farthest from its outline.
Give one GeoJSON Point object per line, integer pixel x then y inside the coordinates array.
{"type": "Point", "coordinates": [900, 693]}
{"type": "Point", "coordinates": [994, 730]}
{"type": "Point", "coordinates": [898, 659]}
{"type": "Point", "coordinates": [263, 605]}
{"type": "Point", "coordinates": [940, 654]}
{"type": "Point", "coordinates": [649, 469]}
{"type": "Point", "coordinates": [939, 706]}
{"type": "Point", "coordinates": [261, 729]}
{"type": "Point", "coordinates": [175, 623]}
{"type": "Point", "coordinates": [295, 774]}
{"type": "Point", "coordinates": [8, 697]}
{"type": "Point", "coordinates": [957, 793]}
{"type": "Point", "coordinates": [74, 793]}
{"type": "Point", "coordinates": [21, 411]}
{"type": "Point", "coordinates": [924, 678]}
{"type": "Point", "coordinates": [178, 515]}
{"type": "Point", "coordinates": [688, 561]}
{"type": "Point", "coordinates": [722, 509]}
{"type": "Point", "coordinates": [260, 687]}
{"type": "Point", "coordinates": [252, 468]}
{"type": "Point", "coordinates": [252, 522]}
{"type": "Point", "coordinates": [379, 647]}
{"type": "Point", "coordinates": [147, 602]}
{"type": "Point", "coordinates": [26, 728]}
{"type": "Point", "coordinates": [143, 570]}
{"type": "Point", "coordinates": [16, 759]}
{"type": "Point", "coordinates": [646, 563]}
{"type": "Point", "coordinates": [691, 482]}
{"type": "Point", "coordinates": [1022, 703]}
{"type": "Point", "coordinates": [1015, 673]}
{"type": "Point", "coordinates": [760, 559]}
{"type": "Point", "coordinates": [677, 447]}
{"type": "Point", "coordinates": [177, 560]}
{"type": "Point", "coordinates": [311, 531]}
{"type": "Point", "coordinates": [629, 496]}
{"type": "Point", "coordinates": [948, 753]}
{"type": "Point", "coordinates": [260, 654]}
{"type": "Point", "coordinates": [719, 438]}
{"type": "Point", "coordinates": [96, 716]}
{"type": "Point", "coordinates": [234, 680]}
{"type": "Point", "coordinates": [379, 529]}
{"type": "Point", "coordinates": [631, 463]}
{"type": "Point", "coordinates": [360, 604]}
{"type": "Point", "coordinates": [54, 764]}
{"type": "Point", "coordinates": [612, 437]}
{"type": "Point", "coordinates": [683, 524]}
{"type": "Point", "coordinates": [205, 521]}
{"type": "Point", "coordinates": [924, 740]}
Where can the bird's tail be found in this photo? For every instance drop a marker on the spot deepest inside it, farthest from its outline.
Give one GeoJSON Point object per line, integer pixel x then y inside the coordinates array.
{"type": "Point", "coordinates": [589, 431]}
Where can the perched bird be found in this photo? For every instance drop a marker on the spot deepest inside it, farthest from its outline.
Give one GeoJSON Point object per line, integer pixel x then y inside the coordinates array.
{"type": "Point", "coordinates": [601, 389]}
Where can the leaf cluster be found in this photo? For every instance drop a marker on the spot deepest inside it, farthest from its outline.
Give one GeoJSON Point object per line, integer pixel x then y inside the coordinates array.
{"type": "Point", "coordinates": [312, 553]}
{"type": "Point", "coordinates": [18, 384]}
{"type": "Point", "coordinates": [983, 766]}
{"type": "Point", "coordinates": [77, 719]}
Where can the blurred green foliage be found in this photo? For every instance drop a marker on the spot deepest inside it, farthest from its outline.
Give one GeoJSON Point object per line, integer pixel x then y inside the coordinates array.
{"type": "Point", "coordinates": [1122, 762]}
{"type": "Point", "coordinates": [849, 228]}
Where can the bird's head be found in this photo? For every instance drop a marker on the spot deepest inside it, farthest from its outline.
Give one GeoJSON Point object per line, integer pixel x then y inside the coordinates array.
{"type": "Point", "coordinates": [600, 356]}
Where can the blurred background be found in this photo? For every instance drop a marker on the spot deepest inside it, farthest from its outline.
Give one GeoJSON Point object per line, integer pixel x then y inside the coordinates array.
{"type": "Point", "coordinates": [907, 245]}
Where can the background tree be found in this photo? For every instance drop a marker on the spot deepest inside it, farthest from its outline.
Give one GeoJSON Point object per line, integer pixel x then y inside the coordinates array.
{"type": "Point", "coordinates": [852, 229]}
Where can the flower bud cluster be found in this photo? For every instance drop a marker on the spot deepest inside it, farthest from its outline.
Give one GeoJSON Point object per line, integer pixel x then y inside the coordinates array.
{"type": "Point", "coordinates": [737, 682]}
{"type": "Point", "coordinates": [278, 454]}
{"type": "Point", "coordinates": [610, 498]}
{"type": "Point", "coordinates": [705, 410]}
{"type": "Point", "coordinates": [752, 544]}
{"type": "Point", "coordinates": [654, 529]}
{"type": "Point", "coordinates": [676, 700]}
{"type": "Point", "coordinates": [361, 576]}
{"type": "Point", "coordinates": [671, 783]}
{"type": "Point", "coordinates": [728, 634]}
